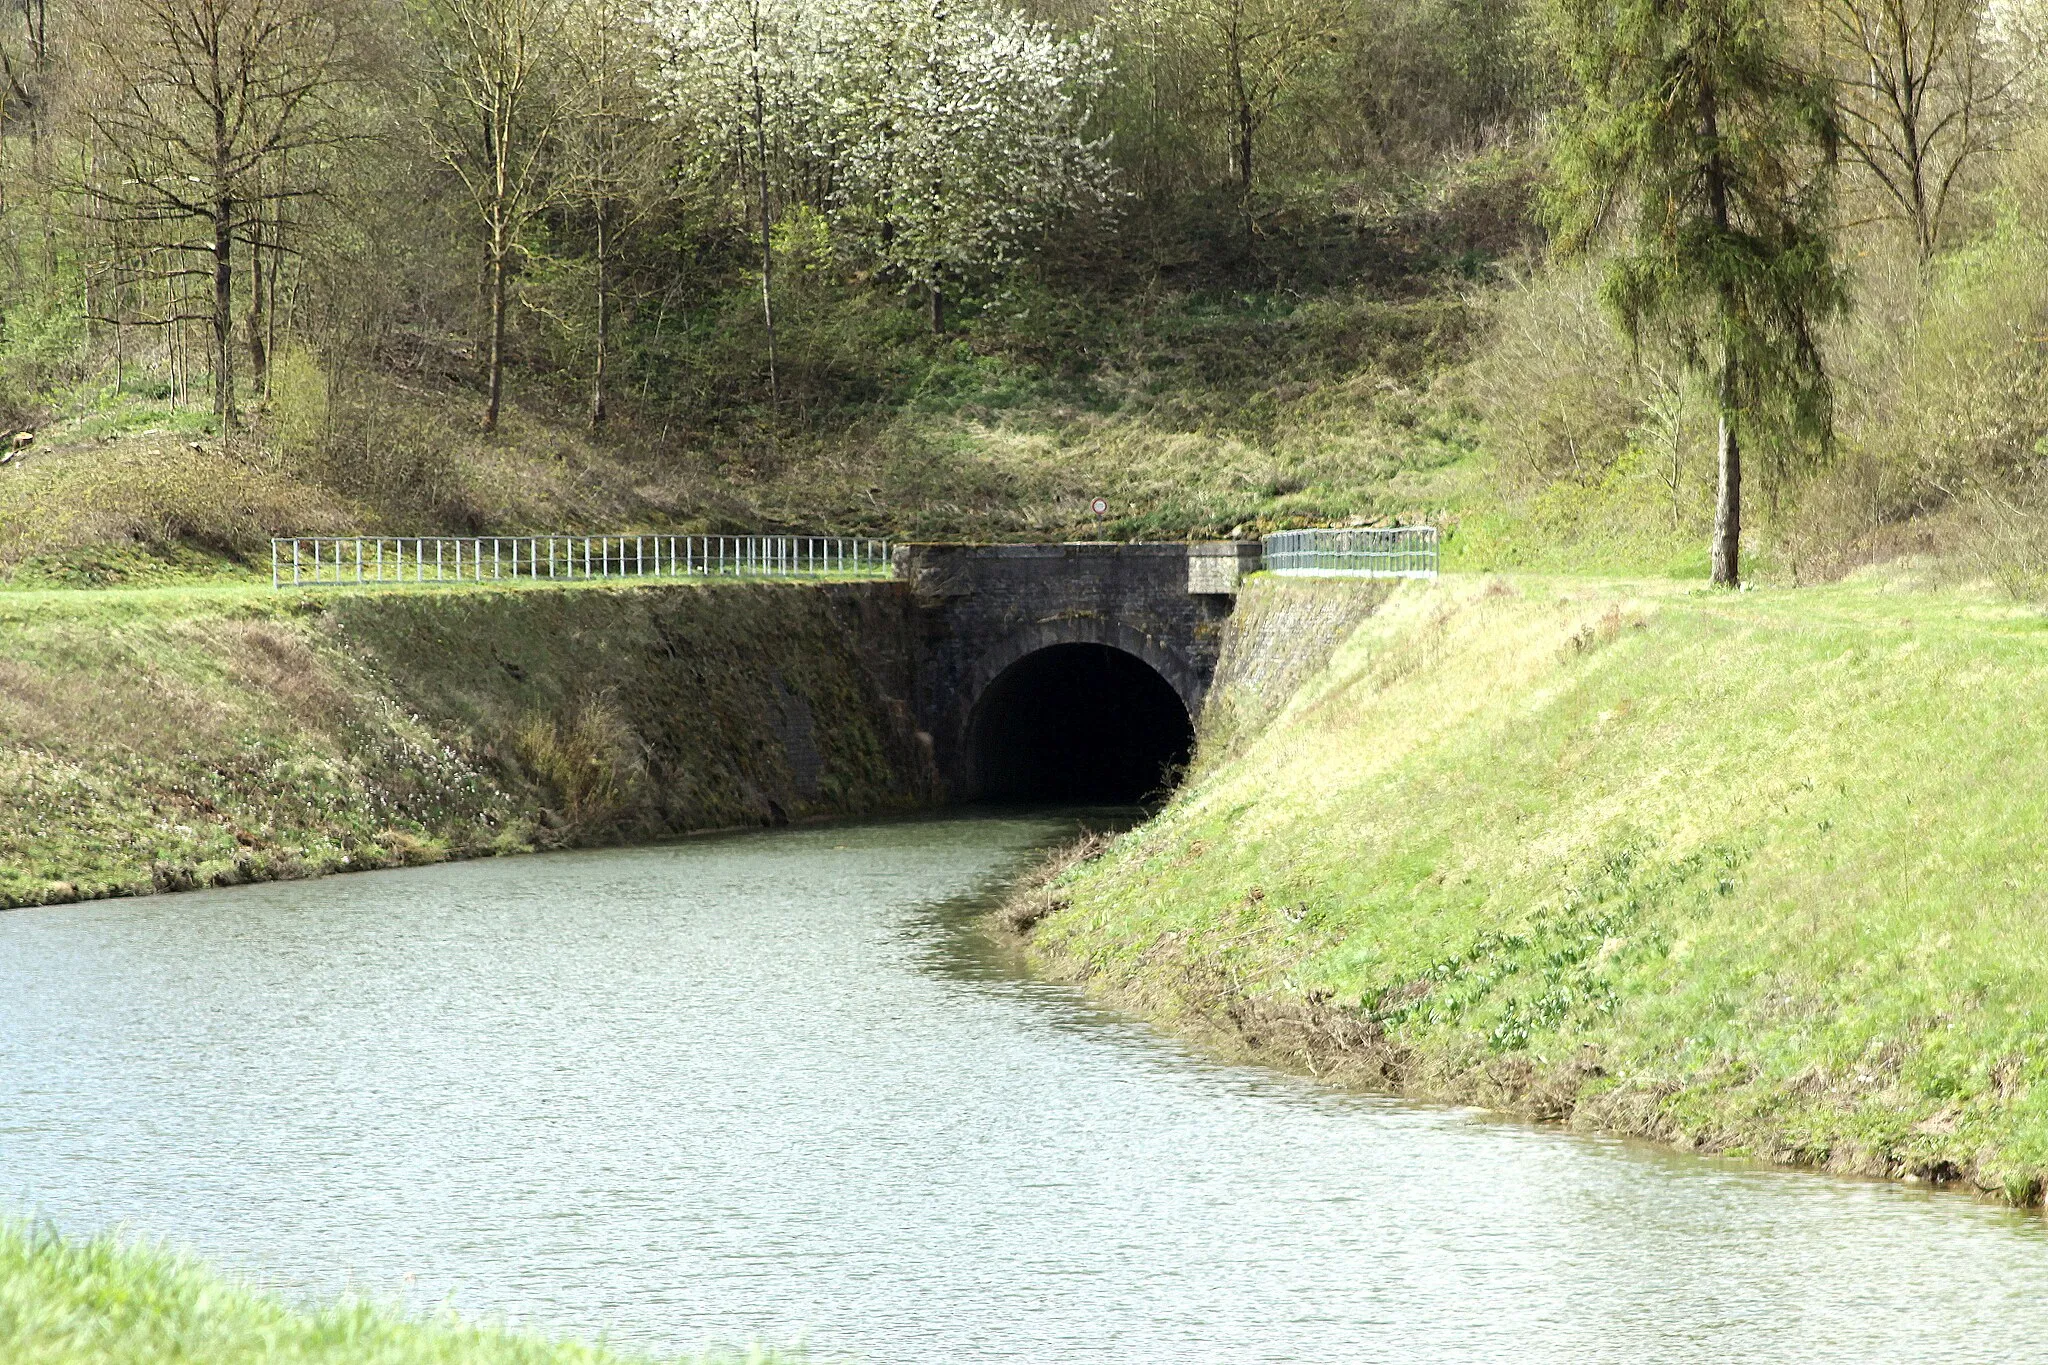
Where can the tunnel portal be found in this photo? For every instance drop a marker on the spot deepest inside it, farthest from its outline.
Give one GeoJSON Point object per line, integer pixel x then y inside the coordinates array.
{"type": "Point", "coordinates": [1079, 724]}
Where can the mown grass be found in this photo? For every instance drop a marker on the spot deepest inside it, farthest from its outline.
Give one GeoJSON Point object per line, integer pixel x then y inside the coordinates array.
{"type": "Point", "coordinates": [1752, 872]}
{"type": "Point", "coordinates": [106, 1302]}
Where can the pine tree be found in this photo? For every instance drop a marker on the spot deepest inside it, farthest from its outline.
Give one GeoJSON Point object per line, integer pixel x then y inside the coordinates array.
{"type": "Point", "coordinates": [1710, 157]}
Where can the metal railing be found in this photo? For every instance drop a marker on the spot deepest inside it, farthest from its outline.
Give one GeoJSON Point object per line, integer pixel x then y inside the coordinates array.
{"type": "Point", "coordinates": [1365, 552]}
{"type": "Point", "coordinates": [337, 561]}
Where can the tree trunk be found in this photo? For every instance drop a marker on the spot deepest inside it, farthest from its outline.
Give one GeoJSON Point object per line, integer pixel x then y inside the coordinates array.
{"type": "Point", "coordinates": [276, 259]}
{"type": "Point", "coordinates": [768, 289]}
{"type": "Point", "coordinates": [259, 350]}
{"type": "Point", "coordinates": [224, 312]}
{"type": "Point", "coordinates": [937, 303]}
{"type": "Point", "coordinates": [767, 242]}
{"type": "Point", "coordinates": [761, 192]}
{"type": "Point", "coordinates": [1247, 132]}
{"type": "Point", "coordinates": [1727, 547]}
{"type": "Point", "coordinates": [604, 318]}
{"type": "Point", "coordinates": [495, 377]}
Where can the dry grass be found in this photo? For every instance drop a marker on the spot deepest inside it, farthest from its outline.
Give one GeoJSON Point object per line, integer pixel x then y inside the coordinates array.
{"type": "Point", "coordinates": [587, 762]}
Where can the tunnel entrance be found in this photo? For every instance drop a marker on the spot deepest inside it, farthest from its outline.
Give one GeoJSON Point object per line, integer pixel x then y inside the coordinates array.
{"type": "Point", "coordinates": [1078, 724]}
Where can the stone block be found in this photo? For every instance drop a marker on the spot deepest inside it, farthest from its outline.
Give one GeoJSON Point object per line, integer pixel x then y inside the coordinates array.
{"type": "Point", "coordinates": [1217, 567]}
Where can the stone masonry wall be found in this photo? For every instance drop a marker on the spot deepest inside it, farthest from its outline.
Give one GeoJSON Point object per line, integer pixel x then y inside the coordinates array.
{"type": "Point", "coordinates": [981, 608]}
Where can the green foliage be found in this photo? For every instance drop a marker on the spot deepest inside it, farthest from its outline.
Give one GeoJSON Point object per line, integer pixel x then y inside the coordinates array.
{"type": "Point", "coordinates": [1712, 155]}
{"type": "Point", "coordinates": [586, 762]}
{"type": "Point", "coordinates": [41, 338]}
{"type": "Point", "coordinates": [1940, 378]}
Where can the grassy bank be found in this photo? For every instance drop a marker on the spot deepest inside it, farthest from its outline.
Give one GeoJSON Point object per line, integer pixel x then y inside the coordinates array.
{"type": "Point", "coordinates": [179, 737]}
{"type": "Point", "coordinates": [1753, 873]}
{"type": "Point", "coordinates": [103, 1303]}
{"type": "Point", "coordinates": [1189, 413]}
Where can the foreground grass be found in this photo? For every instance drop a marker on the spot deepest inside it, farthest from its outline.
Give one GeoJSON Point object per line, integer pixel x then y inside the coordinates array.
{"type": "Point", "coordinates": [1754, 873]}
{"type": "Point", "coordinates": [101, 1302]}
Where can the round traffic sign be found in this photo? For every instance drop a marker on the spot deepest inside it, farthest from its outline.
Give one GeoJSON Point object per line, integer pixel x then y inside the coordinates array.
{"type": "Point", "coordinates": [1099, 506]}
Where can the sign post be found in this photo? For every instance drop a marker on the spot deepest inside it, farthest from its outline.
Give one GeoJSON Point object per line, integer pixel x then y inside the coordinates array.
{"type": "Point", "coordinates": [1099, 507]}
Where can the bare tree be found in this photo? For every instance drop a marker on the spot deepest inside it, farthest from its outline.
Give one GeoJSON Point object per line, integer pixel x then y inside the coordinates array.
{"type": "Point", "coordinates": [194, 107]}
{"type": "Point", "coordinates": [1258, 52]}
{"type": "Point", "coordinates": [26, 71]}
{"type": "Point", "coordinates": [746, 72]}
{"type": "Point", "coordinates": [1921, 100]}
{"type": "Point", "coordinates": [611, 147]}
{"type": "Point", "coordinates": [493, 118]}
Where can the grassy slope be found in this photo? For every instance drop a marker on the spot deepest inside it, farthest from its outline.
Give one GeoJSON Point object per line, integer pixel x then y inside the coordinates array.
{"type": "Point", "coordinates": [101, 1303]}
{"type": "Point", "coordinates": [1750, 873]}
{"type": "Point", "coordinates": [1191, 414]}
{"type": "Point", "coordinates": [167, 738]}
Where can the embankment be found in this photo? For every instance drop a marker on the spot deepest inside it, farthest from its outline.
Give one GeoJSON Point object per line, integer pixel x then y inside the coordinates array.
{"type": "Point", "coordinates": [168, 739]}
{"type": "Point", "coordinates": [1756, 873]}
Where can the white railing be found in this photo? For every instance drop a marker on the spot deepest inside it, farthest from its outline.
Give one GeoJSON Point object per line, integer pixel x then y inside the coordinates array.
{"type": "Point", "coordinates": [1365, 552]}
{"type": "Point", "coordinates": [345, 561]}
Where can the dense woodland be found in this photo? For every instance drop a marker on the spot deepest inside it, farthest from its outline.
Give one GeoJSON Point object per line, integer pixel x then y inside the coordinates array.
{"type": "Point", "coordinates": [1552, 272]}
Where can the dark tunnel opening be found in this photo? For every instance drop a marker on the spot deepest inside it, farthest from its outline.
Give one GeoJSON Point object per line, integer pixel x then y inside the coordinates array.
{"type": "Point", "coordinates": [1079, 724]}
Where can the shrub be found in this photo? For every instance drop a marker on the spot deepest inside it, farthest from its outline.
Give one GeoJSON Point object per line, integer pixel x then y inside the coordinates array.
{"type": "Point", "coordinates": [587, 761]}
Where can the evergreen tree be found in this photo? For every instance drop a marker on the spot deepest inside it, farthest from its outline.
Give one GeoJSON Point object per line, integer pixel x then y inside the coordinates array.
{"type": "Point", "coordinates": [1710, 156]}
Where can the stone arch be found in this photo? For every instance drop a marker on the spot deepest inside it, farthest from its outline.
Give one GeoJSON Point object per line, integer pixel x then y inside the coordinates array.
{"type": "Point", "coordinates": [1086, 630]}
{"type": "Point", "coordinates": [1078, 710]}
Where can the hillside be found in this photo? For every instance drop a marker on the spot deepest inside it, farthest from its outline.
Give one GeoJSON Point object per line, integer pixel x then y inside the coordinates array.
{"type": "Point", "coordinates": [1749, 874]}
{"type": "Point", "coordinates": [1199, 415]}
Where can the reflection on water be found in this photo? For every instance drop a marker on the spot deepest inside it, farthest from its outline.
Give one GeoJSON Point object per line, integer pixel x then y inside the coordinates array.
{"type": "Point", "coordinates": [772, 1086]}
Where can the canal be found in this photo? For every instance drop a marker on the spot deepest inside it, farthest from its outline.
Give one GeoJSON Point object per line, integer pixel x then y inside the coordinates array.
{"type": "Point", "coordinates": [776, 1087]}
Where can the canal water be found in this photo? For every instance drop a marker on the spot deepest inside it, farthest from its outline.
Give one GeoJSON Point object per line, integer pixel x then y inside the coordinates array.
{"type": "Point", "coordinates": [775, 1088]}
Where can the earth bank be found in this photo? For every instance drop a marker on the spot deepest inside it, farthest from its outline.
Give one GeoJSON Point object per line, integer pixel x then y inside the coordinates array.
{"type": "Point", "coordinates": [1750, 874]}
{"type": "Point", "coordinates": [168, 739]}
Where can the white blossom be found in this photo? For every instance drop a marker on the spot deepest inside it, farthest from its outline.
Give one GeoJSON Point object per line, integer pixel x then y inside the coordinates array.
{"type": "Point", "coordinates": [937, 137]}
{"type": "Point", "coordinates": [2017, 31]}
